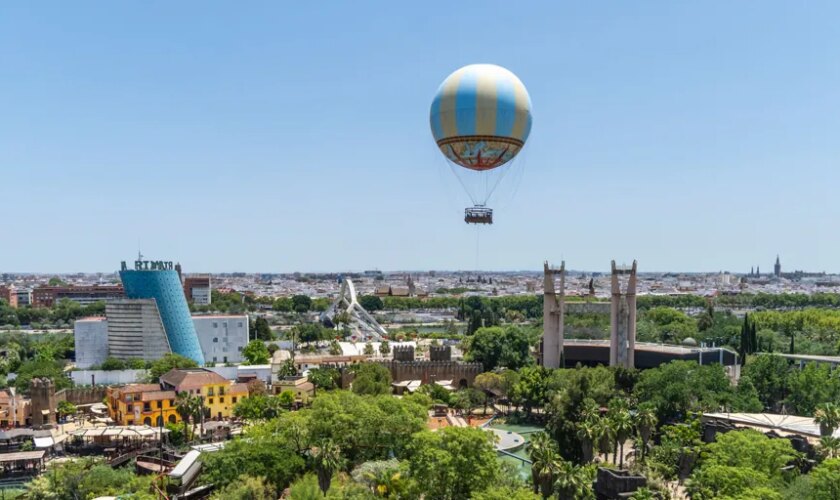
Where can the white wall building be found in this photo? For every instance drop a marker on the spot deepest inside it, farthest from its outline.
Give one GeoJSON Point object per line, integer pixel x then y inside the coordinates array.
{"type": "Point", "coordinates": [222, 338]}
{"type": "Point", "coordinates": [91, 339]}
{"type": "Point", "coordinates": [135, 331]}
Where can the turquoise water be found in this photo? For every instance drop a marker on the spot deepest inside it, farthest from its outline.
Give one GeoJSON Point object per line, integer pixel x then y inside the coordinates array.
{"type": "Point", "coordinates": [521, 452]}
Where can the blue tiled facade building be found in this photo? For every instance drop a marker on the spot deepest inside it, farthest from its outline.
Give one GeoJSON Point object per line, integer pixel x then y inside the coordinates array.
{"type": "Point", "coordinates": [164, 285]}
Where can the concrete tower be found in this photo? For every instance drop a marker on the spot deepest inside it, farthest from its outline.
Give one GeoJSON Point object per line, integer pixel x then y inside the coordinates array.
{"type": "Point", "coordinates": [553, 310]}
{"type": "Point", "coordinates": [623, 318]}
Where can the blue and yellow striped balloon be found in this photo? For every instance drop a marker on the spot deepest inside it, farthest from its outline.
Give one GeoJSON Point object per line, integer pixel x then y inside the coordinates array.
{"type": "Point", "coordinates": [481, 116]}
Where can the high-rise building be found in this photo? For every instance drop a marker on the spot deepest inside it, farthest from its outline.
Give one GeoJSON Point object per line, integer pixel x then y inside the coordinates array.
{"type": "Point", "coordinates": [197, 289]}
{"type": "Point", "coordinates": [135, 330]}
{"type": "Point", "coordinates": [160, 281]}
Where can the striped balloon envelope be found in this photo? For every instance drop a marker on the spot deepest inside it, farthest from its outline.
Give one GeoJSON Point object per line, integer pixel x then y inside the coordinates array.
{"type": "Point", "coordinates": [481, 116]}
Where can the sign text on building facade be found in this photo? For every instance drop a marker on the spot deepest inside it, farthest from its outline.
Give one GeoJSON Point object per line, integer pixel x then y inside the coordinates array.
{"type": "Point", "coordinates": [150, 265]}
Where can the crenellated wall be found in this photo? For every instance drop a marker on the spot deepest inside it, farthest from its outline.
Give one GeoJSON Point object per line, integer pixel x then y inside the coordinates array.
{"type": "Point", "coordinates": [461, 374]}
{"type": "Point", "coordinates": [82, 395]}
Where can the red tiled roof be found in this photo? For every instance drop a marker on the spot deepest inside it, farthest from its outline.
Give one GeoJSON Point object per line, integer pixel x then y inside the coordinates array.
{"type": "Point", "coordinates": [132, 388]}
{"type": "Point", "coordinates": [191, 378]}
{"type": "Point", "coordinates": [239, 388]}
{"type": "Point", "coordinates": [157, 395]}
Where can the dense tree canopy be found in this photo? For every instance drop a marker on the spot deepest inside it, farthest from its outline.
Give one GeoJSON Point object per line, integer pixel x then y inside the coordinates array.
{"type": "Point", "coordinates": [89, 478]}
{"type": "Point", "coordinates": [169, 362]}
{"type": "Point", "coordinates": [256, 353]}
{"type": "Point", "coordinates": [739, 463]}
{"type": "Point", "coordinates": [453, 463]}
{"type": "Point", "coordinates": [679, 387]}
{"type": "Point", "coordinates": [371, 378]}
{"type": "Point", "coordinates": [497, 347]}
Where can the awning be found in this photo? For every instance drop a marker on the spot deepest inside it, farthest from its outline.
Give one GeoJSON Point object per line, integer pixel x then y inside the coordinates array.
{"type": "Point", "coordinates": [413, 385]}
{"type": "Point", "coordinates": [44, 442]}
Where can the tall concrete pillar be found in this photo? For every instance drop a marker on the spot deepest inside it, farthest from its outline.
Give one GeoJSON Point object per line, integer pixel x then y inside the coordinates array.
{"type": "Point", "coordinates": [553, 311]}
{"type": "Point", "coordinates": [623, 318]}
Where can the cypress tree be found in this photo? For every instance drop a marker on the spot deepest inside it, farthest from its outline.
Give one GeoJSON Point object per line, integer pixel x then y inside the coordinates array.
{"type": "Point", "coordinates": [791, 343]}
{"type": "Point", "coordinates": [753, 337]}
{"type": "Point", "coordinates": [745, 341]}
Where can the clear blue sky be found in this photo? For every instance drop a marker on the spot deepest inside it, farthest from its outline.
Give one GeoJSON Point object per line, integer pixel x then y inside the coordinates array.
{"type": "Point", "coordinates": [284, 136]}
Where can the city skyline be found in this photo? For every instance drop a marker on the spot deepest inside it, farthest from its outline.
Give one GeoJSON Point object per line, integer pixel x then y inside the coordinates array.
{"type": "Point", "coordinates": [279, 138]}
{"type": "Point", "coordinates": [769, 270]}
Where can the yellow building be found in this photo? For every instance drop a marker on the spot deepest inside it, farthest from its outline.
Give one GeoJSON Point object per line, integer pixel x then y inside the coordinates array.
{"type": "Point", "coordinates": [218, 394]}
{"type": "Point", "coordinates": [142, 404]}
{"type": "Point", "coordinates": [151, 404]}
{"type": "Point", "coordinates": [301, 387]}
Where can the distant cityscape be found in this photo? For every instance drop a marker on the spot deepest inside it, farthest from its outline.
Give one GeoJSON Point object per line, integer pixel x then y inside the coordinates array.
{"type": "Point", "coordinates": [84, 288]}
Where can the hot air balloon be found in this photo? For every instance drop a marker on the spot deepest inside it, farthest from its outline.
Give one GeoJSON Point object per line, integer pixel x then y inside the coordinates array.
{"type": "Point", "coordinates": [480, 119]}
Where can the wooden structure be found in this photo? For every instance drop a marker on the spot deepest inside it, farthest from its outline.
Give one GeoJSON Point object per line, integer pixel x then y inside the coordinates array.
{"type": "Point", "coordinates": [22, 463]}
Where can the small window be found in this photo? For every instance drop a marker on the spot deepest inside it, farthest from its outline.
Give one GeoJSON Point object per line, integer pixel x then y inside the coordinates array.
{"type": "Point", "coordinates": [225, 358]}
{"type": "Point", "coordinates": [234, 400]}
{"type": "Point", "coordinates": [221, 400]}
{"type": "Point", "coordinates": [210, 401]}
{"type": "Point", "coordinates": [215, 325]}
{"type": "Point", "coordinates": [240, 324]}
{"type": "Point", "coordinates": [215, 340]}
{"type": "Point", "coordinates": [214, 359]}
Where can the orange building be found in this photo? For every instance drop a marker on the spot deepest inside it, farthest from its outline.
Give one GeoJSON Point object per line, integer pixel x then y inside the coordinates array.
{"type": "Point", "coordinates": [14, 409]}
{"type": "Point", "coordinates": [9, 295]}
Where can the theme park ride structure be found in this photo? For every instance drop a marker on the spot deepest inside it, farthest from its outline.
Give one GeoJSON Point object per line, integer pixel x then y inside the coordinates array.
{"type": "Point", "coordinates": [347, 310]}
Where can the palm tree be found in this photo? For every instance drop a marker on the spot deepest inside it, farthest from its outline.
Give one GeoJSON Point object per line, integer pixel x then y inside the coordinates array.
{"type": "Point", "coordinates": [544, 457]}
{"type": "Point", "coordinates": [646, 421]}
{"type": "Point", "coordinates": [588, 434]}
{"type": "Point", "coordinates": [605, 435]}
{"type": "Point", "coordinates": [622, 426]}
{"type": "Point", "coordinates": [572, 482]}
{"type": "Point", "coordinates": [828, 416]}
{"type": "Point", "coordinates": [327, 460]}
{"type": "Point", "coordinates": [830, 446]}
{"type": "Point", "coordinates": [644, 493]}
{"type": "Point", "coordinates": [189, 407]}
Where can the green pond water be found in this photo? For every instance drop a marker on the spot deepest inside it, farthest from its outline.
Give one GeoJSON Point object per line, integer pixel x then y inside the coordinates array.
{"type": "Point", "coordinates": [525, 431]}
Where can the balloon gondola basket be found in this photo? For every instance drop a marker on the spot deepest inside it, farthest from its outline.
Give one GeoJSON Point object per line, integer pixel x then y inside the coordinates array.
{"type": "Point", "coordinates": [478, 215]}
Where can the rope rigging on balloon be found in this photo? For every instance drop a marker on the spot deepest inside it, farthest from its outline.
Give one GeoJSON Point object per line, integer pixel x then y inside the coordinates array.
{"type": "Point", "coordinates": [480, 120]}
